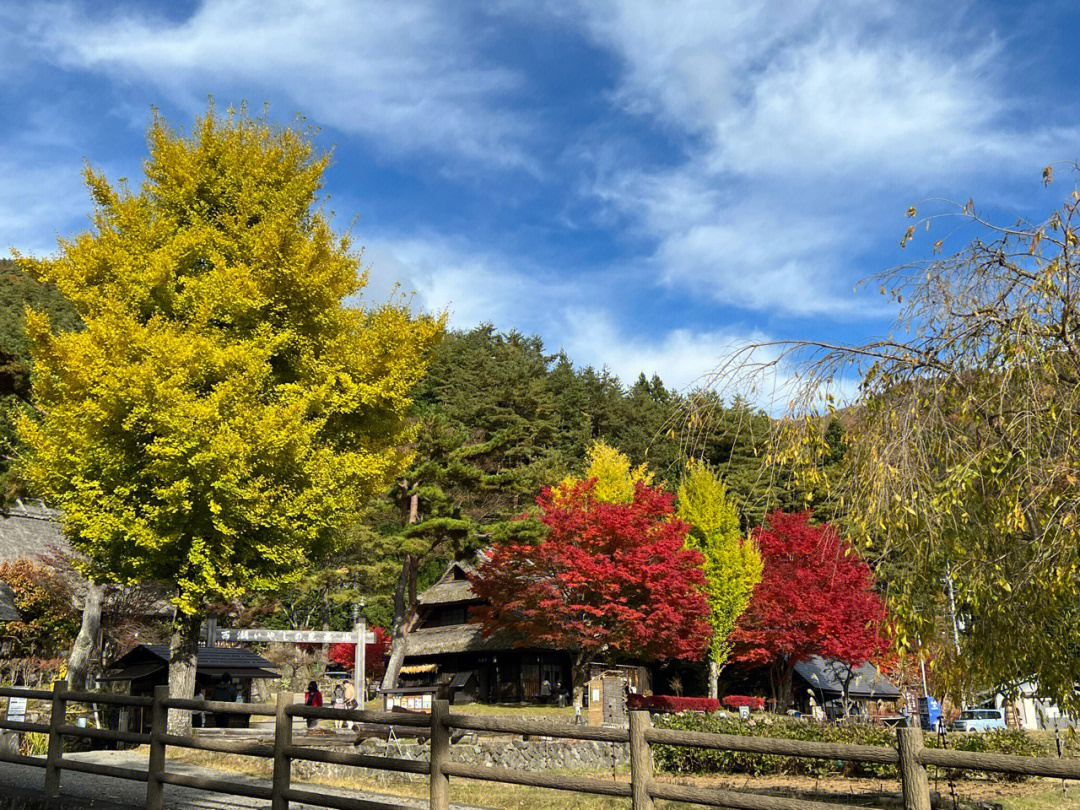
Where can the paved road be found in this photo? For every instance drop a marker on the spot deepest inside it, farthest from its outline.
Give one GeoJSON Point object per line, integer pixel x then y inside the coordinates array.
{"type": "Point", "coordinates": [105, 791]}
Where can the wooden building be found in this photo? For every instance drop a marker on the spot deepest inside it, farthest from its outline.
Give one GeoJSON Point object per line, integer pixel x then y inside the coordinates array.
{"type": "Point", "coordinates": [870, 692]}
{"type": "Point", "coordinates": [147, 666]}
{"type": "Point", "coordinates": [445, 649]}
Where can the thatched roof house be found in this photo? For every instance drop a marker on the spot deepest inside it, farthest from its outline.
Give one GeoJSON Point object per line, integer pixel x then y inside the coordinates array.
{"type": "Point", "coordinates": [447, 648]}
{"type": "Point", "coordinates": [29, 530]}
{"type": "Point", "coordinates": [8, 613]}
{"type": "Point", "coordinates": [33, 531]}
{"type": "Point", "coordinates": [442, 626]}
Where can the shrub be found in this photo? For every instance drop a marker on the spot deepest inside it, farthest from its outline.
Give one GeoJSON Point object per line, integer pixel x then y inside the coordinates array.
{"type": "Point", "coordinates": [736, 701]}
{"type": "Point", "coordinates": [1002, 741]}
{"type": "Point", "coordinates": [685, 760]}
{"type": "Point", "coordinates": [671, 703]}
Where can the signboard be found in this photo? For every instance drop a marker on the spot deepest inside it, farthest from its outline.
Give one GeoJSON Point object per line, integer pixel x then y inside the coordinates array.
{"type": "Point", "coordinates": [912, 704]}
{"type": "Point", "coordinates": [294, 636]}
{"type": "Point", "coordinates": [744, 712]}
{"type": "Point", "coordinates": [16, 710]}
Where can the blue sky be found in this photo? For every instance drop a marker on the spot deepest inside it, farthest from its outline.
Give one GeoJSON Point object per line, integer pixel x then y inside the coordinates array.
{"type": "Point", "coordinates": [643, 184]}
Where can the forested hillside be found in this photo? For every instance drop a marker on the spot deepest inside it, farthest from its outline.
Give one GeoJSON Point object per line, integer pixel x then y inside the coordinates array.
{"type": "Point", "coordinates": [499, 417]}
{"type": "Point", "coordinates": [17, 292]}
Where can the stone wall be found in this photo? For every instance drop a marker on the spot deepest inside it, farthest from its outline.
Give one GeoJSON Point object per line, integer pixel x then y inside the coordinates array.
{"type": "Point", "coordinates": [531, 755]}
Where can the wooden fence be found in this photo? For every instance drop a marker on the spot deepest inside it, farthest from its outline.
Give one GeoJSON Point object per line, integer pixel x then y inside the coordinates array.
{"type": "Point", "coordinates": [642, 789]}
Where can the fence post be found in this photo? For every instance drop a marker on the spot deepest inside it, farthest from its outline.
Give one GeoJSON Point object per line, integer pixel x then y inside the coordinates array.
{"type": "Point", "coordinates": [155, 788]}
{"type": "Point", "coordinates": [641, 765]}
{"type": "Point", "coordinates": [913, 779]}
{"type": "Point", "coordinates": [283, 724]}
{"type": "Point", "coordinates": [56, 742]}
{"type": "Point", "coordinates": [440, 754]}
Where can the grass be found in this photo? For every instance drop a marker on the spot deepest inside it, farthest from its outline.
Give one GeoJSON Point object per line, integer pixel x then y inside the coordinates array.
{"type": "Point", "coordinates": [1039, 794]}
{"type": "Point", "coordinates": [1052, 799]}
{"type": "Point", "coordinates": [515, 710]}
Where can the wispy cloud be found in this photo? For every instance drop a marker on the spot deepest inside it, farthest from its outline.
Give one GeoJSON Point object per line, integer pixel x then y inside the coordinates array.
{"type": "Point", "coordinates": [805, 130]}
{"type": "Point", "coordinates": [404, 74]}
{"type": "Point", "coordinates": [681, 357]}
{"type": "Point", "coordinates": [473, 286]}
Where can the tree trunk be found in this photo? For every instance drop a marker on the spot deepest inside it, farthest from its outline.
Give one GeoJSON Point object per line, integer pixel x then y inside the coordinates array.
{"type": "Point", "coordinates": [786, 687]}
{"type": "Point", "coordinates": [714, 677]}
{"type": "Point", "coordinates": [183, 658]}
{"type": "Point", "coordinates": [83, 650]}
{"type": "Point", "coordinates": [404, 609]}
{"type": "Point", "coordinates": [404, 594]}
{"type": "Point", "coordinates": [578, 670]}
{"type": "Point", "coordinates": [325, 652]}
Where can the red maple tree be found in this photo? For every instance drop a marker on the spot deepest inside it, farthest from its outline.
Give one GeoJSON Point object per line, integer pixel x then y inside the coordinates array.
{"type": "Point", "coordinates": [608, 578]}
{"type": "Point", "coordinates": [816, 597]}
{"type": "Point", "coordinates": [374, 655]}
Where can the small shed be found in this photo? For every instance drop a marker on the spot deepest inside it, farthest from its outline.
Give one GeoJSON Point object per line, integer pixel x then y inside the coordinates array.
{"type": "Point", "coordinates": [607, 699]}
{"type": "Point", "coordinates": [147, 666]}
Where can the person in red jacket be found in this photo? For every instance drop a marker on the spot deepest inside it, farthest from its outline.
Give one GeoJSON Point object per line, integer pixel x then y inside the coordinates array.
{"type": "Point", "coordinates": [312, 697]}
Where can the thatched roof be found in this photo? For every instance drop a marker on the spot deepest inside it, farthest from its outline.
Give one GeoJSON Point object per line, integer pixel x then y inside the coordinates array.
{"type": "Point", "coordinates": [453, 587]}
{"type": "Point", "coordinates": [455, 638]}
{"type": "Point", "coordinates": [448, 593]}
{"type": "Point", "coordinates": [29, 530]}
{"type": "Point", "coordinates": [8, 613]}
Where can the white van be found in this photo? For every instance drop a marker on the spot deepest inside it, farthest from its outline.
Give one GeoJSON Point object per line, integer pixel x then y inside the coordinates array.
{"type": "Point", "coordinates": [979, 720]}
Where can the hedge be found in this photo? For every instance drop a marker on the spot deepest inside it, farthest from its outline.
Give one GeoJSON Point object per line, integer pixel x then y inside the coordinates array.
{"type": "Point", "coordinates": [737, 701]}
{"type": "Point", "coordinates": [685, 760]}
{"type": "Point", "coordinates": [671, 703]}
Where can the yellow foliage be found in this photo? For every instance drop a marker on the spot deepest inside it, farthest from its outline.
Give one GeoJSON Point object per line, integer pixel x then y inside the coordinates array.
{"type": "Point", "coordinates": [222, 410]}
{"type": "Point", "coordinates": [733, 565]}
{"type": "Point", "coordinates": [615, 476]}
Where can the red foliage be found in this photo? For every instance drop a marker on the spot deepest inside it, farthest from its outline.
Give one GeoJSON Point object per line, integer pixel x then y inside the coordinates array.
{"type": "Point", "coordinates": [671, 703]}
{"type": "Point", "coordinates": [607, 578]}
{"type": "Point", "coordinates": [375, 654]}
{"type": "Point", "coordinates": [816, 597]}
{"type": "Point", "coordinates": [735, 701]}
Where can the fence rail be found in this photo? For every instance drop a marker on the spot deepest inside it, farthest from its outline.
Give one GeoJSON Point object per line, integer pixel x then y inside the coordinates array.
{"type": "Point", "coordinates": [642, 788]}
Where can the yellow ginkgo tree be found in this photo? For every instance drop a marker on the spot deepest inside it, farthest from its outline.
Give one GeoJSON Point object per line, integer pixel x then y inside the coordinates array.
{"type": "Point", "coordinates": [733, 564]}
{"type": "Point", "coordinates": [223, 409]}
{"type": "Point", "coordinates": [615, 476]}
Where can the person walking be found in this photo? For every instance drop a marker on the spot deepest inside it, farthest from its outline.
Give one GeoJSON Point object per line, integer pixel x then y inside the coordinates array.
{"type": "Point", "coordinates": [339, 703]}
{"type": "Point", "coordinates": [313, 697]}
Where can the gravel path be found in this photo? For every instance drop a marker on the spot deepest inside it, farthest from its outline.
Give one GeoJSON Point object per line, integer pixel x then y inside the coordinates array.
{"type": "Point", "coordinates": [102, 791]}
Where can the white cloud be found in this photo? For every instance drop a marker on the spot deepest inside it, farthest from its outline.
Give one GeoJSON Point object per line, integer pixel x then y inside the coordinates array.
{"type": "Point", "coordinates": [807, 129]}
{"type": "Point", "coordinates": [477, 287]}
{"type": "Point", "coordinates": [750, 251]}
{"type": "Point", "coordinates": [681, 357]}
{"type": "Point", "coordinates": [473, 286]}
{"type": "Point", "coordinates": [403, 74]}
{"type": "Point", "coordinates": [746, 362]}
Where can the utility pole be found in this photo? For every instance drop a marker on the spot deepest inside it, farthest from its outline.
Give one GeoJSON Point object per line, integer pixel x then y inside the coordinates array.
{"type": "Point", "coordinates": [955, 624]}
